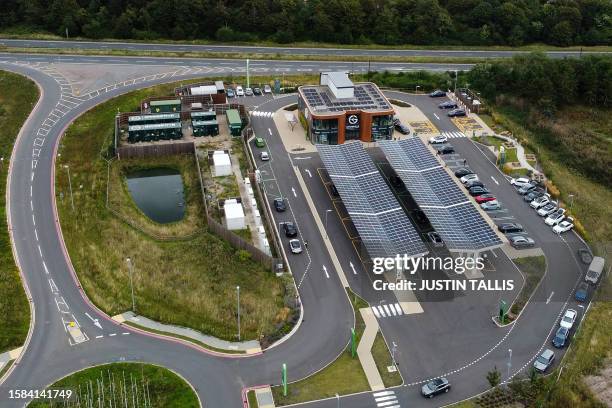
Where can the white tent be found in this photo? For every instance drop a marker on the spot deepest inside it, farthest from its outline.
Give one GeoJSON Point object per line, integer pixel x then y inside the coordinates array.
{"type": "Point", "coordinates": [234, 215]}
{"type": "Point", "coordinates": [204, 90]}
{"type": "Point", "coordinates": [222, 163]}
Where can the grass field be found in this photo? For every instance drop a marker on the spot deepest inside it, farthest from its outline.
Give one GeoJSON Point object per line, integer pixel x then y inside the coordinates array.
{"type": "Point", "coordinates": [18, 95]}
{"type": "Point", "coordinates": [150, 385]}
{"type": "Point", "coordinates": [533, 268]}
{"type": "Point", "coordinates": [189, 282]}
{"type": "Point", "coordinates": [383, 359]}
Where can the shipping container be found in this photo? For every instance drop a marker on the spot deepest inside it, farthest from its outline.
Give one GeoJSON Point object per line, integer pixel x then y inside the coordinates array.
{"type": "Point", "coordinates": [234, 122]}
{"type": "Point", "coordinates": [170, 105]}
{"type": "Point", "coordinates": [205, 127]}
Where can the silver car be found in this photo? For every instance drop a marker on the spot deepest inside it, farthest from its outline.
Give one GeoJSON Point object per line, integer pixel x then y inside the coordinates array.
{"type": "Point", "coordinates": [491, 205]}
{"type": "Point", "coordinates": [544, 360]}
{"type": "Point", "coordinates": [295, 246]}
{"type": "Point", "coordinates": [521, 241]}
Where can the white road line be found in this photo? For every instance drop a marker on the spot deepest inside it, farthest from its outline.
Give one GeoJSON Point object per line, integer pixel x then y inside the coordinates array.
{"type": "Point", "coordinates": [99, 337]}
{"type": "Point", "coordinates": [375, 311]}
{"type": "Point", "coordinates": [550, 297]}
{"type": "Point", "coordinates": [309, 173]}
{"type": "Point", "coordinates": [387, 403]}
{"type": "Point", "coordinates": [112, 334]}
{"type": "Point", "coordinates": [125, 333]}
{"type": "Point", "coordinates": [495, 181]}
{"type": "Point", "coordinates": [387, 309]}
{"type": "Point", "coordinates": [398, 308]}
{"type": "Point", "coordinates": [45, 266]}
{"type": "Point", "coordinates": [31, 205]}
{"type": "Point", "coordinates": [270, 131]}
{"type": "Point", "coordinates": [382, 311]}
{"type": "Point", "coordinates": [40, 251]}
{"type": "Point", "coordinates": [381, 393]}
{"type": "Point", "coordinates": [36, 233]}
{"type": "Point", "coordinates": [436, 115]}
{"type": "Point", "coordinates": [393, 312]}
{"type": "Point", "coordinates": [325, 270]}
{"type": "Point", "coordinates": [386, 398]}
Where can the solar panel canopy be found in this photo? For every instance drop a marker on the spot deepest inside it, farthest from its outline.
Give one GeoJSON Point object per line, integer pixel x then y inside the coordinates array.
{"type": "Point", "coordinates": [383, 227]}
{"type": "Point", "coordinates": [449, 210]}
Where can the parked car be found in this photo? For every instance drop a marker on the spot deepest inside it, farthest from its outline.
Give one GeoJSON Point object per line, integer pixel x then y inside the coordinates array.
{"type": "Point", "coordinates": [400, 127]}
{"type": "Point", "coordinates": [485, 197]}
{"type": "Point", "coordinates": [544, 360]}
{"type": "Point", "coordinates": [445, 149]}
{"type": "Point", "coordinates": [248, 91]}
{"type": "Point", "coordinates": [456, 112]}
{"type": "Point", "coordinates": [448, 105]}
{"type": "Point", "coordinates": [533, 194]}
{"type": "Point", "coordinates": [520, 241]}
{"type": "Point", "coordinates": [520, 181]}
{"type": "Point", "coordinates": [526, 188]}
{"type": "Point", "coordinates": [463, 171]}
{"type": "Point", "coordinates": [438, 93]}
{"type": "Point", "coordinates": [555, 217]}
{"type": "Point", "coordinates": [239, 91]}
{"type": "Point", "coordinates": [264, 156]}
{"type": "Point", "coordinates": [230, 92]}
{"type": "Point", "coordinates": [477, 190]}
{"type": "Point", "coordinates": [568, 319]}
{"type": "Point", "coordinates": [547, 209]}
{"type": "Point", "coordinates": [491, 205]}
{"type": "Point", "coordinates": [474, 183]}
{"type": "Point", "coordinates": [560, 337]}
{"type": "Point", "coordinates": [539, 202]}
{"type": "Point", "coordinates": [279, 204]}
{"type": "Point", "coordinates": [468, 177]}
{"type": "Point", "coordinates": [438, 139]}
{"type": "Point", "coordinates": [435, 387]}
{"type": "Point", "coordinates": [582, 292]}
{"type": "Point", "coordinates": [435, 238]}
{"type": "Point", "coordinates": [290, 229]}
{"type": "Point", "coordinates": [564, 226]}
{"type": "Point", "coordinates": [267, 89]}
{"type": "Point", "coordinates": [595, 270]}
{"type": "Point", "coordinates": [295, 246]}
{"type": "Point", "coordinates": [259, 142]}
{"type": "Point", "coordinates": [510, 227]}
{"type": "Point", "coordinates": [256, 91]}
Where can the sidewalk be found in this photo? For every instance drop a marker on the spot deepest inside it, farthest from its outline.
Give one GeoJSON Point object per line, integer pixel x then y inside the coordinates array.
{"type": "Point", "coordinates": [294, 140]}
{"type": "Point", "coordinates": [8, 356]}
{"type": "Point", "coordinates": [248, 347]}
{"type": "Point", "coordinates": [364, 350]}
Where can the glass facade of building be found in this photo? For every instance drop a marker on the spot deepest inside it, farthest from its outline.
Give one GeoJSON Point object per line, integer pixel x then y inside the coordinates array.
{"type": "Point", "coordinates": [324, 131]}
{"type": "Point", "coordinates": [382, 127]}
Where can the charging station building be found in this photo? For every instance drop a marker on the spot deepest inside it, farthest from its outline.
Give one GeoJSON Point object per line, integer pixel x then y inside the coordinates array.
{"type": "Point", "coordinates": [337, 110]}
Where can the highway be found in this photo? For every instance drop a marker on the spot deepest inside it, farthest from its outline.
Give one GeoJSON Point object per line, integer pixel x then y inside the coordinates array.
{"type": "Point", "coordinates": [57, 298]}
{"type": "Point", "coordinates": [336, 52]}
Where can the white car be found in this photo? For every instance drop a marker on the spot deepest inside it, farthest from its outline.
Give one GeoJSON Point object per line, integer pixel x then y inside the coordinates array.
{"type": "Point", "coordinates": [248, 91]}
{"type": "Point", "coordinates": [438, 139]}
{"type": "Point", "coordinates": [555, 217]}
{"type": "Point", "coordinates": [264, 156]}
{"type": "Point", "coordinates": [469, 177]}
{"type": "Point", "coordinates": [519, 182]}
{"type": "Point", "coordinates": [239, 91]}
{"type": "Point", "coordinates": [295, 246]}
{"type": "Point", "coordinates": [547, 209]}
{"type": "Point", "coordinates": [568, 319]}
{"type": "Point", "coordinates": [539, 202]}
{"type": "Point", "coordinates": [267, 89]}
{"type": "Point", "coordinates": [564, 226]}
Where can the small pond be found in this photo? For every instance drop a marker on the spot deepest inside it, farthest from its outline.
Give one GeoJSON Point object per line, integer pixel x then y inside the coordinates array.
{"type": "Point", "coordinates": [158, 193]}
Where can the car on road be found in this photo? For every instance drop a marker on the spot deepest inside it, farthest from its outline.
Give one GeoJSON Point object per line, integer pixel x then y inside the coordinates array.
{"type": "Point", "coordinates": [521, 241]}
{"type": "Point", "coordinates": [533, 194]}
{"type": "Point", "coordinates": [248, 91]}
{"type": "Point", "coordinates": [561, 337]}
{"type": "Point", "coordinates": [264, 156]}
{"type": "Point", "coordinates": [435, 238]}
{"type": "Point", "coordinates": [295, 246]}
{"type": "Point", "coordinates": [547, 209]}
{"type": "Point", "coordinates": [448, 105]}
{"type": "Point", "coordinates": [290, 229]}
{"type": "Point", "coordinates": [445, 149]}
{"type": "Point", "coordinates": [520, 181]}
{"type": "Point", "coordinates": [400, 127]}
{"type": "Point", "coordinates": [438, 93]}
{"type": "Point", "coordinates": [455, 113]}
{"type": "Point", "coordinates": [526, 188]}
{"type": "Point", "coordinates": [544, 360]}
{"type": "Point", "coordinates": [474, 183]}
{"type": "Point", "coordinates": [582, 292]}
{"type": "Point", "coordinates": [259, 142]}
{"type": "Point", "coordinates": [230, 92]}
{"type": "Point", "coordinates": [510, 227]}
{"type": "Point", "coordinates": [267, 89]}
{"type": "Point", "coordinates": [256, 91]}
{"type": "Point", "coordinates": [555, 217]}
{"type": "Point", "coordinates": [239, 91]}
{"type": "Point", "coordinates": [539, 202]}
{"type": "Point", "coordinates": [279, 204]}
{"type": "Point", "coordinates": [435, 387]}
{"type": "Point", "coordinates": [438, 139]}
{"type": "Point", "coordinates": [463, 171]}
{"type": "Point", "coordinates": [564, 226]}
{"type": "Point", "coordinates": [491, 205]}
{"type": "Point", "coordinates": [568, 319]}
{"type": "Point", "coordinates": [485, 197]}
{"type": "Point", "coordinates": [468, 177]}
{"type": "Point", "coordinates": [477, 190]}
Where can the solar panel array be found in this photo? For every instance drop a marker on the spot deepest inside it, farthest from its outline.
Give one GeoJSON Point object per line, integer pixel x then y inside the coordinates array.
{"type": "Point", "coordinates": [367, 97]}
{"type": "Point", "coordinates": [448, 209]}
{"type": "Point", "coordinates": [381, 222]}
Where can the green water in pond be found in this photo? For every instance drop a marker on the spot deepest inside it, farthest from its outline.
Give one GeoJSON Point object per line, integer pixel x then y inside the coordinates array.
{"type": "Point", "coordinates": [158, 193]}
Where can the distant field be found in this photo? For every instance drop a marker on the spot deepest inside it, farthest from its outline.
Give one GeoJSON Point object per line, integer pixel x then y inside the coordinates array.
{"type": "Point", "coordinates": [18, 96]}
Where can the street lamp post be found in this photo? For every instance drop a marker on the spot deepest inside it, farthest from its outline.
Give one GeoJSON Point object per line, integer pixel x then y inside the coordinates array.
{"type": "Point", "coordinates": [67, 167]}
{"type": "Point", "coordinates": [131, 268]}
{"type": "Point", "coordinates": [509, 361]}
{"type": "Point", "coordinates": [326, 212]}
{"type": "Point", "coordinates": [393, 349]}
{"type": "Point", "coordinates": [238, 302]}
{"type": "Point", "coordinates": [571, 197]}
{"type": "Point", "coordinates": [456, 75]}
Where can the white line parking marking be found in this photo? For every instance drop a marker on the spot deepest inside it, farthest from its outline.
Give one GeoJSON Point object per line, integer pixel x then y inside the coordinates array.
{"type": "Point", "coordinates": [45, 266]}
{"type": "Point", "coordinates": [112, 334]}
{"type": "Point", "coordinates": [436, 115]}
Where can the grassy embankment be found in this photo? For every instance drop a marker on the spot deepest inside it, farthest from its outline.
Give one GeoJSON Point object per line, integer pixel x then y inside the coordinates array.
{"type": "Point", "coordinates": [189, 282]}
{"type": "Point", "coordinates": [18, 96]}
{"type": "Point", "coordinates": [533, 268]}
{"type": "Point", "coordinates": [151, 385]}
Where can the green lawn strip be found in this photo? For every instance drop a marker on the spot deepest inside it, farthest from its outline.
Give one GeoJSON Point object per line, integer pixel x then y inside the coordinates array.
{"type": "Point", "coordinates": [6, 367]}
{"type": "Point", "coordinates": [190, 282]}
{"type": "Point", "coordinates": [533, 268]}
{"type": "Point", "coordinates": [18, 95]}
{"type": "Point", "coordinates": [382, 357]}
{"type": "Point", "coordinates": [160, 386]}
{"type": "Point", "coordinates": [252, 399]}
{"type": "Point", "coordinates": [344, 376]}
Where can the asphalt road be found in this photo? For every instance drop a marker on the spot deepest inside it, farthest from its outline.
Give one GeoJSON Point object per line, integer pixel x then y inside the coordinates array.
{"type": "Point", "coordinates": [134, 46]}
{"type": "Point", "coordinates": [56, 297]}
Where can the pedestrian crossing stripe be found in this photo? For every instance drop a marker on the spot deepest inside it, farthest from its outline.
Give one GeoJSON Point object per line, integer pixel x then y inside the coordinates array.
{"type": "Point", "coordinates": [386, 399]}
{"type": "Point", "coordinates": [453, 135]}
{"type": "Point", "coordinates": [385, 310]}
{"type": "Point", "coordinates": [263, 114]}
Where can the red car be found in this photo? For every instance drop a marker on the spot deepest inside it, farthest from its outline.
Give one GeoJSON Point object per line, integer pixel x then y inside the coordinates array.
{"type": "Point", "coordinates": [484, 198]}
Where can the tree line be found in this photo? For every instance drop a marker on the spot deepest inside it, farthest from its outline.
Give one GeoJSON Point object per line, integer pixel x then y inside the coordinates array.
{"type": "Point", "coordinates": [388, 22]}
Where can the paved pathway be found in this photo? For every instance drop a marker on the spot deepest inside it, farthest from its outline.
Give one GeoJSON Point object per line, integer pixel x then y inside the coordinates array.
{"type": "Point", "coordinates": [364, 350]}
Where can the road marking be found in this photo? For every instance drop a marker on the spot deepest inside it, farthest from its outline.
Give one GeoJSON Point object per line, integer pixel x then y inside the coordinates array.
{"type": "Point", "coordinates": [30, 190]}
{"type": "Point", "coordinates": [353, 268]}
{"type": "Point", "coordinates": [45, 266]}
{"type": "Point", "coordinates": [386, 399]}
{"type": "Point", "coordinates": [309, 173]}
{"type": "Point", "coordinates": [302, 158]}
{"type": "Point", "coordinates": [31, 205]}
{"type": "Point", "coordinates": [436, 115]}
{"type": "Point", "coordinates": [40, 251]}
{"type": "Point", "coordinates": [99, 337]}
{"type": "Point", "coordinates": [325, 270]}
{"type": "Point", "coordinates": [112, 334]}
{"type": "Point", "coordinates": [95, 321]}
{"type": "Point", "coordinates": [33, 220]}
{"type": "Point", "coordinates": [550, 297]}
{"type": "Point", "coordinates": [386, 309]}
{"type": "Point", "coordinates": [495, 181]}
{"type": "Point", "coordinates": [53, 286]}
{"type": "Point", "coordinates": [36, 233]}
{"type": "Point", "coordinates": [270, 131]}
{"type": "Point", "coordinates": [125, 333]}
{"type": "Point", "coordinates": [293, 191]}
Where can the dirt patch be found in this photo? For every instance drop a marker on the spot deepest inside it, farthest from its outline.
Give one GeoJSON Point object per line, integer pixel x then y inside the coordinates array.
{"type": "Point", "coordinates": [601, 385]}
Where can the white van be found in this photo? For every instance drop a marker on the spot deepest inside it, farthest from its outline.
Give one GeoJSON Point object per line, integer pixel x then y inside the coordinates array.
{"type": "Point", "coordinates": [239, 91]}
{"type": "Point", "coordinates": [595, 270]}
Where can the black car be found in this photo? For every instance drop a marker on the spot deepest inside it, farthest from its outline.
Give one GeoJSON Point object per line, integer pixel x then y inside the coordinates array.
{"type": "Point", "coordinates": [438, 93]}
{"type": "Point", "coordinates": [560, 337]}
{"type": "Point", "coordinates": [474, 183]}
{"type": "Point", "coordinates": [435, 387]}
{"type": "Point", "coordinates": [396, 181]}
{"type": "Point", "coordinates": [279, 204]}
{"type": "Point", "coordinates": [464, 171]}
{"type": "Point", "coordinates": [256, 91]}
{"type": "Point", "coordinates": [334, 190]}
{"type": "Point", "coordinates": [510, 227]}
{"type": "Point", "coordinates": [456, 112]}
{"type": "Point", "coordinates": [400, 127]}
{"type": "Point", "coordinates": [290, 230]}
{"type": "Point", "coordinates": [532, 195]}
{"type": "Point", "coordinates": [445, 149]}
{"type": "Point", "coordinates": [527, 188]}
{"type": "Point", "coordinates": [448, 105]}
{"type": "Point", "coordinates": [478, 190]}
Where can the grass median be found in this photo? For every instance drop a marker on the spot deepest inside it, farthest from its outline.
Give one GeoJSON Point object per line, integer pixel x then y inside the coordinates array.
{"type": "Point", "coordinates": [533, 268]}
{"type": "Point", "coordinates": [18, 95]}
{"type": "Point", "coordinates": [145, 385]}
{"type": "Point", "coordinates": [188, 282]}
